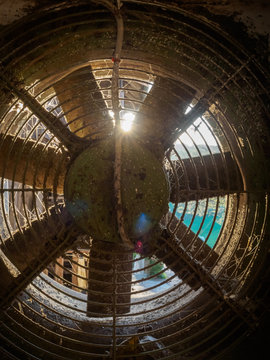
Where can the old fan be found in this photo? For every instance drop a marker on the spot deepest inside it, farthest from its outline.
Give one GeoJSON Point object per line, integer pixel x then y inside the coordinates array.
{"type": "Point", "coordinates": [129, 244]}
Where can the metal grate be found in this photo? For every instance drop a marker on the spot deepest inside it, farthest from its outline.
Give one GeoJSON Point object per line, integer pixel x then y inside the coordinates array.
{"type": "Point", "coordinates": [186, 288]}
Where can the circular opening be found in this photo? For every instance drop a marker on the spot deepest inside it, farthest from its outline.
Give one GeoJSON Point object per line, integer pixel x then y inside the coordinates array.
{"type": "Point", "coordinates": [196, 102]}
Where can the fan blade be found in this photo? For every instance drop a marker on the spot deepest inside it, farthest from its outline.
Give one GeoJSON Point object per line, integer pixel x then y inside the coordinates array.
{"type": "Point", "coordinates": [203, 177]}
{"type": "Point", "coordinates": [196, 112]}
{"type": "Point", "coordinates": [196, 274]}
{"type": "Point", "coordinates": [161, 111]}
{"type": "Point", "coordinates": [109, 275]}
{"type": "Point", "coordinates": [33, 248]}
{"type": "Point", "coordinates": [192, 243]}
{"type": "Point", "coordinates": [33, 164]}
{"type": "Point", "coordinates": [202, 105]}
{"type": "Point", "coordinates": [6, 278]}
{"type": "Point", "coordinates": [82, 102]}
{"type": "Point", "coordinates": [189, 242]}
{"type": "Point", "coordinates": [59, 129]}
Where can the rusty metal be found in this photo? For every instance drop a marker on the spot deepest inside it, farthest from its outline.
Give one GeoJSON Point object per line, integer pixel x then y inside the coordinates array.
{"type": "Point", "coordinates": [54, 124]}
{"type": "Point", "coordinates": [175, 294]}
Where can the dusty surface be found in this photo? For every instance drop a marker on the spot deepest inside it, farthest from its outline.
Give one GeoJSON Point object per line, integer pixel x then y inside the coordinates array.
{"type": "Point", "coordinates": [147, 305]}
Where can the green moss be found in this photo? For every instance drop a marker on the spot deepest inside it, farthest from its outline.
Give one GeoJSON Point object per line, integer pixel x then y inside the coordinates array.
{"type": "Point", "coordinates": [156, 268]}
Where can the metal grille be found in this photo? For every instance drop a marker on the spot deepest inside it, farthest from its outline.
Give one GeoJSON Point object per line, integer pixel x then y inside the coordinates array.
{"type": "Point", "coordinates": [187, 288]}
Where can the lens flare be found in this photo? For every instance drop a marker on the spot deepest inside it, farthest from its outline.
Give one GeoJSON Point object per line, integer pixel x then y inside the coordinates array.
{"type": "Point", "coordinates": [143, 224]}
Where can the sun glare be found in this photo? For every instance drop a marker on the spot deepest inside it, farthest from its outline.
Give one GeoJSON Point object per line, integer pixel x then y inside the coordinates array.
{"type": "Point", "coordinates": [127, 121]}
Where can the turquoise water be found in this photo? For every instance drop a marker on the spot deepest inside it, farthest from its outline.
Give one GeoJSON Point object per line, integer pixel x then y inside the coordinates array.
{"type": "Point", "coordinates": [206, 234]}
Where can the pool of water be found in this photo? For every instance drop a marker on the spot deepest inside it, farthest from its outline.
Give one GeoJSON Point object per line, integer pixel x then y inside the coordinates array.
{"type": "Point", "coordinates": [208, 215]}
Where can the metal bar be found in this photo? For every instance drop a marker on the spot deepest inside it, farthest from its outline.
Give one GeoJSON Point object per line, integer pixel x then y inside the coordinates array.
{"type": "Point", "coordinates": [25, 190]}
{"type": "Point", "coordinates": [114, 307]}
{"type": "Point", "coordinates": [118, 136]}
